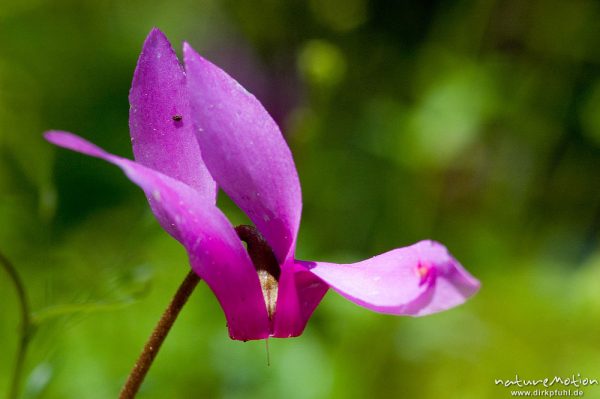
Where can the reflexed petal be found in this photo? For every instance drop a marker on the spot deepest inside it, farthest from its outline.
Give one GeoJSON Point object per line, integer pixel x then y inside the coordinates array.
{"type": "Point", "coordinates": [160, 123]}
{"type": "Point", "coordinates": [245, 152]}
{"type": "Point", "coordinates": [300, 291]}
{"type": "Point", "coordinates": [215, 251]}
{"type": "Point", "coordinates": [416, 280]}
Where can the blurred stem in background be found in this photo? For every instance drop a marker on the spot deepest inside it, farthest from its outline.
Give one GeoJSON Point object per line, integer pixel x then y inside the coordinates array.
{"type": "Point", "coordinates": [26, 326]}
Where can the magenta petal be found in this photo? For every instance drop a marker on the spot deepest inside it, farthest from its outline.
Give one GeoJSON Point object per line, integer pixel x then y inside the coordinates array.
{"type": "Point", "coordinates": [245, 152]}
{"type": "Point", "coordinates": [417, 280]}
{"type": "Point", "coordinates": [160, 121]}
{"type": "Point", "coordinates": [300, 291]}
{"type": "Point", "coordinates": [215, 251]}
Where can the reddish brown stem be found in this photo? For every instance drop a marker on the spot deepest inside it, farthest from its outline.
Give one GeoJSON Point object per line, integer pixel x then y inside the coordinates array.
{"type": "Point", "coordinates": [136, 377]}
{"type": "Point", "coordinates": [268, 269]}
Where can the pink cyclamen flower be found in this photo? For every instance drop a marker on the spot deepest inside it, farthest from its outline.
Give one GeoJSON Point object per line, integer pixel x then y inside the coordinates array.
{"type": "Point", "coordinates": [195, 129]}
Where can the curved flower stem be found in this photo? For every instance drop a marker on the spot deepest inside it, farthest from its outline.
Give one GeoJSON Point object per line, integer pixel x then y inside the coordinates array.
{"type": "Point", "coordinates": [136, 377]}
{"type": "Point", "coordinates": [25, 325]}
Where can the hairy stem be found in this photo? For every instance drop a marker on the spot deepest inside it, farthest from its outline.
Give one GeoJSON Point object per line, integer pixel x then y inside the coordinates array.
{"type": "Point", "coordinates": [141, 367]}
{"type": "Point", "coordinates": [25, 330]}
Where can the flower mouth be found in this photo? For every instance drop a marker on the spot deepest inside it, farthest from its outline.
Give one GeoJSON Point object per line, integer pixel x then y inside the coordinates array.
{"type": "Point", "coordinates": [264, 262]}
{"type": "Point", "coordinates": [425, 272]}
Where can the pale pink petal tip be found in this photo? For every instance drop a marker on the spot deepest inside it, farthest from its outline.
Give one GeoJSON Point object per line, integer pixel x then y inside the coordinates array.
{"type": "Point", "coordinates": [413, 281]}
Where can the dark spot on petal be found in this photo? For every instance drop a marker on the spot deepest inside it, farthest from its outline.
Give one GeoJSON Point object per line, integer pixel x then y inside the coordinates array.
{"type": "Point", "coordinates": [177, 118]}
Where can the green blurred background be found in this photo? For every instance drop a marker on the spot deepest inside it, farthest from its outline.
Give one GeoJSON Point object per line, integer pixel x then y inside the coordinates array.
{"type": "Point", "coordinates": [475, 123]}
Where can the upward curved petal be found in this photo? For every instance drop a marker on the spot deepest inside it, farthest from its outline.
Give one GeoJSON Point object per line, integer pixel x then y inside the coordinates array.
{"type": "Point", "coordinates": [161, 129]}
{"type": "Point", "coordinates": [216, 254]}
{"type": "Point", "coordinates": [417, 280]}
{"type": "Point", "coordinates": [245, 152]}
